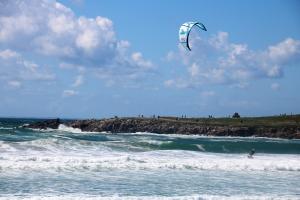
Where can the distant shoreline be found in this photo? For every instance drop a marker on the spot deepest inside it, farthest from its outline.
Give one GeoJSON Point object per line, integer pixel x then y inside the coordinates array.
{"type": "Point", "coordinates": [287, 127]}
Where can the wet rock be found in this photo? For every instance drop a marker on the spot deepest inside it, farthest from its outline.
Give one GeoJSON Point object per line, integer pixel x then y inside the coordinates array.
{"type": "Point", "coordinates": [51, 123]}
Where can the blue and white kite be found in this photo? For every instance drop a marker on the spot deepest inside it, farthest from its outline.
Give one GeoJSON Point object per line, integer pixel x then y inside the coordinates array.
{"type": "Point", "coordinates": [185, 30]}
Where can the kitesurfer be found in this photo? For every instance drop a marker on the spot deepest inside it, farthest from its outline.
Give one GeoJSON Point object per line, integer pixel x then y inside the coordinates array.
{"type": "Point", "coordinates": [251, 153]}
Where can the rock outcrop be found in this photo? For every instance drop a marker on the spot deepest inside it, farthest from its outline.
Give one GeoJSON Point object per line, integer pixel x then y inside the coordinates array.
{"type": "Point", "coordinates": [163, 126]}
{"type": "Point", "coordinates": [51, 123]}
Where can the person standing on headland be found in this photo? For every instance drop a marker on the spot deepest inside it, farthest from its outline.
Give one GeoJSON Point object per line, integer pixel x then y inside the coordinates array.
{"type": "Point", "coordinates": [251, 153]}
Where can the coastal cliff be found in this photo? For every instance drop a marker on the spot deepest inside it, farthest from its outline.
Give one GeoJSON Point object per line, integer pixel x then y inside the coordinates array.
{"type": "Point", "coordinates": [259, 127]}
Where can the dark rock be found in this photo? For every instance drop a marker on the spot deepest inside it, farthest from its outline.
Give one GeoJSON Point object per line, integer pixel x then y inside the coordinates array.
{"type": "Point", "coordinates": [51, 123]}
{"type": "Point", "coordinates": [163, 126]}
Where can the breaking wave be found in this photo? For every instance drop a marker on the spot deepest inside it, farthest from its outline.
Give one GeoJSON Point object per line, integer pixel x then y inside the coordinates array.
{"type": "Point", "coordinates": [56, 155]}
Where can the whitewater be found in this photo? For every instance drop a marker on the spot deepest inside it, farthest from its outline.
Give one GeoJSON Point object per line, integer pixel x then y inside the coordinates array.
{"type": "Point", "coordinates": [70, 164]}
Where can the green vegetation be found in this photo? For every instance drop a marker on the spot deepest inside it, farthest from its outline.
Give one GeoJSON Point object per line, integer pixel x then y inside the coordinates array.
{"type": "Point", "coordinates": [268, 121]}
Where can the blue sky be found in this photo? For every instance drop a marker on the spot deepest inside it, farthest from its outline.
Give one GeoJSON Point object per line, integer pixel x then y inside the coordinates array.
{"type": "Point", "coordinates": [94, 59]}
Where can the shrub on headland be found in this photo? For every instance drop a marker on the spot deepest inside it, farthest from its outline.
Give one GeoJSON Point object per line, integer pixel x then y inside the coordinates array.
{"type": "Point", "coordinates": [236, 115]}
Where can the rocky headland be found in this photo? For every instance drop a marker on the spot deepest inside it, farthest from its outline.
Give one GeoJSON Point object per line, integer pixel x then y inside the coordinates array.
{"type": "Point", "coordinates": [243, 127]}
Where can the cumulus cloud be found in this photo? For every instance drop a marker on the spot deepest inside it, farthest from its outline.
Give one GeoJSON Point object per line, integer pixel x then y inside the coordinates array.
{"type": "Point", "coordinates": [208, 93]}
{"type": "Point", "coordinates": [284, 52]}
{"type": "Point", "coordinates": [69, 93]}
{"type": "Point", "coordinates": [275, 86]}
{"type": "Point", "coordinates": [137, 57]}
{"type": "Point", "coordinates": [216, 60]}
{"type": "Point", "coordinates": [169, 83]}
{"type": "Point", "coordinates": [15, 69]}
{"type": "Point", "coordinates": [178, 83]}
{"type": "Point", "coordinates": [48, 28]}
{"type": "Point", "coordinates": [193, 70]}
{"type": "Point", "coordinates": [8, 54]}
{"type": "Point", "coordinates": [78, 81]}
{"type": "Point", "coordinates": [14, 84]}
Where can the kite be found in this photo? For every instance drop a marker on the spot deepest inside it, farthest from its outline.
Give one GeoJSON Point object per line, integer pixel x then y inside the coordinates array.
{"type": "Point", "coordinates": [185, 30]}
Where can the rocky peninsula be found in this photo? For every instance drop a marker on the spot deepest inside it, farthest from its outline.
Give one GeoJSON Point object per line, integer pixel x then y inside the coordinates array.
{"type": "Point", "coordinates": [276, 127]}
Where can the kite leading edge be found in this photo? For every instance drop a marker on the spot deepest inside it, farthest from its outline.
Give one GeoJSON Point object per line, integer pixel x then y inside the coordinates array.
{"type": "Point", "coordinates": [185, 30]}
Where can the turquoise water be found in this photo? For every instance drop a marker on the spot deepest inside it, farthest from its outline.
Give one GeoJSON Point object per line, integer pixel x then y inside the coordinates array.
{"type": "Point", "coordinates": [70, 164]}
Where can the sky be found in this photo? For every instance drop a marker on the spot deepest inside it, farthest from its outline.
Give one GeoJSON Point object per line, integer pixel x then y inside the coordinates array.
{"type": "Point", "coordinates": [97, 59]}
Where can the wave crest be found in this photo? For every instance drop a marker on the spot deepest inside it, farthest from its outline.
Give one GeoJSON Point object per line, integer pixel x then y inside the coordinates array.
{"type": "Point", "coordinates": [153, 160]}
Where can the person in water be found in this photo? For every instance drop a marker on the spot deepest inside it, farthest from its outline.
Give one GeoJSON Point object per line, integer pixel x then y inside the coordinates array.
{"type": "Point", "coordinates": [251, 153]}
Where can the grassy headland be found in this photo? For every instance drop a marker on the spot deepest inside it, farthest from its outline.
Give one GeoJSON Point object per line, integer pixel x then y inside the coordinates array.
{"type": "Point", "coordinates": [267, 121]}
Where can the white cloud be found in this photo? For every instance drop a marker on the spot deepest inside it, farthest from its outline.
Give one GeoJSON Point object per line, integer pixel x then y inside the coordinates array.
{"type": "Point", "coordinates": [69, 93]}
{"type": "Point", "coordinates": [18, 68]}
{"type": "Point", "coordinates": [137, 57]}
{"type": "Point", "coordinates": [218, 61]}
{"type": "Point", "coordinates": [14, 84]}
{"type": "Point", "coordinates": [66, 66]}
{"type": "Point", "coordinates": [241, 85]}
{"type": "Point", "coordinates": [275, 86]}
{"type": "Point", "coordinates": [61, 24]}
{"type": "Point", "coordinates": [78, 81]}
{"type": "Point", "coordinates": [81, 69]}
{"type": "Point", "coordinates": [178, 83]}
{"type": "Point", "coordinates": [169, 83]}
{"type": "Point", "coordinates": [194, 70]}
{"type": "Point", "coordinates": [208, 93]}
{"type": "Point", "coordinates": [48, 28]}
{"type": "Point", "coordinates": [8, 54]}
{"type": "Point", "coordinates": [284, 51]}
{"type": "Point", "coordinates": [170, 56]}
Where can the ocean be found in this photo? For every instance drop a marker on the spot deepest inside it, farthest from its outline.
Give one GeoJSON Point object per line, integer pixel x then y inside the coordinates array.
{"type": "Point", "coordinates": [70, 164]}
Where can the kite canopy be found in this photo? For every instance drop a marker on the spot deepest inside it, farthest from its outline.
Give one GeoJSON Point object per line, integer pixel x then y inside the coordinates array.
{"type": "Point", "coordinates": [185, 30]}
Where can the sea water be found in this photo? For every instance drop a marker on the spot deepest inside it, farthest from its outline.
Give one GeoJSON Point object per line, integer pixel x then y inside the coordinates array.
{"type": "Point", "coordinates": [70, 164]}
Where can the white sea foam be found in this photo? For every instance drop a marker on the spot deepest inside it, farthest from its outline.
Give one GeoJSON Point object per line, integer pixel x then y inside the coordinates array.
{"type": "Point", "coordinates": [200, 147]}
{"type": "Point", "coordinates": [5, 147]}
{"type": "Point", "coordinates": [117, 197]}
{"type": "Point", "coordinates": [86, 156]}
{"type": "Point", "coordinates": [6, 128]}
{"type": "Point", "coordinates": [59, 154]}
{"type": "Point", "coordinates": [218, 138]}
{"type": "Point", "coordinates": [65, 128]}
{"type": "Point", "coordinates": [155, 142]}
{"type": "Point", "coordinates": [62, 128]}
